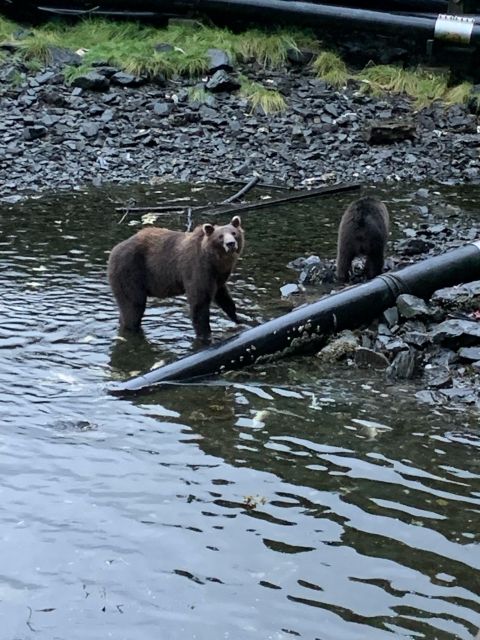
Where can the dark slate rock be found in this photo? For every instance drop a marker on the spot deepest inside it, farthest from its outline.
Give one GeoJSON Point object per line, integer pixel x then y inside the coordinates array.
{"type": "Point", "coordinates": [422, 194]}
{"type": "Point", "coordinates": [162, 108]}
{"type": "Point", "coordinates": [105, 70]}
{"type": "Point", "coordinates": [463, 395]}
{"type": "Point", "coordinates": [365, 358]}
{"type": "Point", "coordinates": [126, 79]}
{"type": "Point", "coordinates": [163, 47]}
{"type": "Point", "coordinates": [90, 129]}
{"type": "Point", "coordinates": [222, 81]}
{"type": "Point", "coordinates": [457, 333]}
{"type": "Point", "coordinates": [437, 377]}
{"type": "Point", "coordinates": [465, 296]}
{"type": "Point", "coordinates": [391, 316]}
{"type": "Point", "coordinates": [299, 56]}
{"type": "Point", "coordinates": [218, 59]}
{"type": "Point", "coordinates": [414, 246]}
{"type": "Point", "coordinates": [428, 397]}
{"type": "Point", "coordinates": [471, 354]}
{"type": "Point", "coordinates": [403, 366]}
{"type": "Point", "coordinates": [290, 289]}
{"type": "Point", "coordinates": [92, 81]}
{"type": "Point", "coordinates": [35, 131]}
{"type": "Point", "coordinates": [416, 339]}
{"type": "Point", "coordinates": [62, 57]}
{"type": "Point", "coordinates": [44, 78]}
{"type": "Point", "coordinates": [411, 307]}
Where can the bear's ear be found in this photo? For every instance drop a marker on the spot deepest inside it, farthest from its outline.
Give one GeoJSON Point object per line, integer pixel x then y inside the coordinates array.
{"type": "Point", "coordinates": [208, 229]}
{"type": "Point", "coordinates": [236, 221]}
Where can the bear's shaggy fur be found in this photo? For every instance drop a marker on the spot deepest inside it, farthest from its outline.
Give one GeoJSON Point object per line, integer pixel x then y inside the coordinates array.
{"type": "Point", "coordinates": [161, 263]}
{"type": "Point", "coordinates": [363, 231]}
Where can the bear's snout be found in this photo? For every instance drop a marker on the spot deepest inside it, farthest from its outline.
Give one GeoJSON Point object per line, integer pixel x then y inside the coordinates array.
{"type": "Point", "coordinates": [229, 243]}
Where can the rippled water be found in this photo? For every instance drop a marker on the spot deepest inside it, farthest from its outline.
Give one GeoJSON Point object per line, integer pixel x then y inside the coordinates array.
{"type": "Point", "coordinates": [295, 501]}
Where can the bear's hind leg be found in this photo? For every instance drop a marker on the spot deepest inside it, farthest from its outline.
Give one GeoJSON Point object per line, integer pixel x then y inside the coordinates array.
{"type": "Point", "coordinates": [226, 303]}
{"type": "Point", "coordinates": [131, 314]}
{"type": "Point", "coordinates": [374, 265]}
{"type": "Point", "coordinates": [344, 263]}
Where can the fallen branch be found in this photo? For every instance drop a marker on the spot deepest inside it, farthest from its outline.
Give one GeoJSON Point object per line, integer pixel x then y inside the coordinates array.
{"type": "Point", "coordinates": [248, 187]}
{"type": "Point", "coordinates": [301, 195]}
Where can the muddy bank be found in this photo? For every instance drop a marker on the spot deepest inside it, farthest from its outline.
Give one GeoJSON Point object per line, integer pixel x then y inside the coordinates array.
{"type": "Point", "coordinates": [435, 344]}
{"type": "Point", "coordinates": [112, 127]}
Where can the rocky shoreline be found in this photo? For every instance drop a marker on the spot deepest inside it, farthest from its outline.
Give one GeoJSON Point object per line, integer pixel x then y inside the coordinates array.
{"type": "Point", "coordinates": [110, 127]}
{"type": "Point", "coordinates": [435, 344]}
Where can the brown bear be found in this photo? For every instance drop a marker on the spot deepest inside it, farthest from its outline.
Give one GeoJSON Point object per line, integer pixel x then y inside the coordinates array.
{"type": "Point", "coordinates": [363, 231]}
{"type": "Point", "coordinates": [161, 263]}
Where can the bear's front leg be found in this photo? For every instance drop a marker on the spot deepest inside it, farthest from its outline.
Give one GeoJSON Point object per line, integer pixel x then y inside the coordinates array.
{"type": "Point", "coordinates": [200, 314]}
{"type": "Point", "coordinates": [225, 302]}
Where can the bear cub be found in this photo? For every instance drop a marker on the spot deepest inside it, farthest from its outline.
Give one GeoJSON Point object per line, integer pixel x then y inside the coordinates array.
{"type": "Point", "coordinates": [363, 231]}
{"type": "Point", "coordinates": [159, 263]}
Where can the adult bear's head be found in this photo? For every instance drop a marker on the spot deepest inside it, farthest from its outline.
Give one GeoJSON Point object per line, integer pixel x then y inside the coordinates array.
{"type": "Point", "coordinates": [227, 239]}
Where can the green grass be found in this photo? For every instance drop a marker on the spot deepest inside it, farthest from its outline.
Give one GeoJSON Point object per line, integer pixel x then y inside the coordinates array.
{"type": "Point", "coordinates": [331, 68]}
{"type": "Point", "coordinates": [130, 46]}
{"type": "Point", "coordinates": [269, 100]}
{"type": "Point", "coordinates": [7, 29]}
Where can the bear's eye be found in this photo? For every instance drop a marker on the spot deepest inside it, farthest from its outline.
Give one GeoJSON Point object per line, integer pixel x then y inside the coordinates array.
{"type": "Point", "coordinates": [234, 233]}
{"type": "Point", "coordinates": [220, 237]}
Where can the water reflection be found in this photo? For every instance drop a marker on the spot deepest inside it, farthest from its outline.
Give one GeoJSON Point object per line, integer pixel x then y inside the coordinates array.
{"type": "Point", "coordinates": [294, 501]}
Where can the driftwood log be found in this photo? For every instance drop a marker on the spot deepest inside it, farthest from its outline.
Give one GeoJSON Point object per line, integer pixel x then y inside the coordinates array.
{"type": "Point", "coordinates": [390, 131]}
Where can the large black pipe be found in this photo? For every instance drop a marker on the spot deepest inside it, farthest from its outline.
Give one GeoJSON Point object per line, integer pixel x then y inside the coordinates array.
{"type": "Point", "coordinates": [320, 15]}
{"type": "Point", "coordinates": [306, 329]}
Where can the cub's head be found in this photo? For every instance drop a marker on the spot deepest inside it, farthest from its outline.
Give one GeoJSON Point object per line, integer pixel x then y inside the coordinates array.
{"type": "Point", "coordinates": [227, 239]}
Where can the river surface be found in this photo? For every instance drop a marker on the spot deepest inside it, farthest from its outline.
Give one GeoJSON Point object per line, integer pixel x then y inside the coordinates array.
{"type": "Point", "coordinates": [290, 501]}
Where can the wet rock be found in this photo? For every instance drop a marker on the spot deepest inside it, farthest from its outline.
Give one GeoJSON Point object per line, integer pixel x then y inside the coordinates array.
{"type": "Point", "coordinates": [411, 307]}
{"type": "Point", "coordinates": [456, 333]}
{"type": "Point", "coordinates": [428, 397]}
{"type": "Point", "coordinates": [341, 347]}
{"type": "Point", "coordinates": [471, 354]}
{"type": "Point", "coordinates": [417, 339]}
{"type": "Point", "coordinates": [465, 296]}
{"type": "Point", "coordinates": [218, 59]}
{"type": "Point", "coordinates": [463, 395]}
{"type": "Point", "coordinates": [222, 81]}
{"type": "Point", "coordinates": [291, 289]}
{"type": "Point", "coordinates": [403, 366]}
{"type": "Point", "coordinates": [366, 358]}
{"type": "Point", "coordinates": [92, 81]}
{"type": "Point", "coordinates": [391, 316]}
{"type": "Point", "coordinates": [35, 131]}
{"type": "Point", "coordinates": [437, 377]}
{"type": "Point", "coordinates": [422, 194]}
{"type": "Point", "coordinates": [126, 80]}
{"type": "Point", "coordinates": [414, 246]}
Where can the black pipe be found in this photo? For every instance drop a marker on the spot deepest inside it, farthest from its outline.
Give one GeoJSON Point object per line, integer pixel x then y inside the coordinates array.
{"type": "Point", "coordinates": [306, 329]}
{"type": "Point", "coordinates": [321, 15]}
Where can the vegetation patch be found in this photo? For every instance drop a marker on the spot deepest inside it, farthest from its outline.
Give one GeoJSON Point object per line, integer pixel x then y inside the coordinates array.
{"type": "Point", "coordinates": [182, 50]}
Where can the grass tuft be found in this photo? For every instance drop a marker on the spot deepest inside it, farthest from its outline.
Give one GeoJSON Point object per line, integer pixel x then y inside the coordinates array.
{"type": "Point", "coordinates": [198, 94]}
{"type": "Point", "coordinates": [7, 29]}
{"type": "Point", "coordinates": [331, 68]}
{"type": "Point", "coordinates": [460, 94]}
{"type": "Point", "coordinates": [270, 100]}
